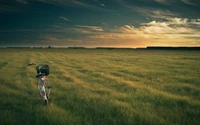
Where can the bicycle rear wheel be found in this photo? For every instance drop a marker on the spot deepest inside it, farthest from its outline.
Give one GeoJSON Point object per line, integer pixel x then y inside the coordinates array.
{"type": "Point", "coordinates": [46, 102]}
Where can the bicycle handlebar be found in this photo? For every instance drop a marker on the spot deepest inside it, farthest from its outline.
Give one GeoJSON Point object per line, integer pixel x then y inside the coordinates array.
{"type": "Point", "coordinates": [30, 64]}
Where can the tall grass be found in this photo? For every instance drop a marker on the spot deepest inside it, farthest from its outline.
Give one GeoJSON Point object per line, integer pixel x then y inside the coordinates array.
{"type": "Point", "coordinates": [101, 87]}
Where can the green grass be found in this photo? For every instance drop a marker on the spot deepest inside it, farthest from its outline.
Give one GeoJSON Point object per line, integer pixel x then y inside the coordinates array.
{"type": "Point", "coordinates": [101, 87]}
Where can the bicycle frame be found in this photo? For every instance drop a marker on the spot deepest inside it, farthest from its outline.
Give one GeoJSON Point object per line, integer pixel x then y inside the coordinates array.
{"type": "Point", "coordinates": [43, 91]}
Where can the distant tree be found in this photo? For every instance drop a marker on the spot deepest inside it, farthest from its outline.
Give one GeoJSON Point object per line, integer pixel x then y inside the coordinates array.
{"type": "Point", "coordinates": [49, 47]}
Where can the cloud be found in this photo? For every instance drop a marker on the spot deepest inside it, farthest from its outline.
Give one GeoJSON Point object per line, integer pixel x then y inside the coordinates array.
{"type": "Point", "coordinates": [78, 3]}
{"type": "Point", "coordinates": [168, 2]}
{"type": "Point", "coordinates": [184, 22]}
{"type": "Point", "coordinates": [195, 21]}
{"type": "Point", "coordinates": [99, 3]}
{"type": "Point", "coordinates": [77, 29]}
{"type": "Point", "coordinates": [173, 32]}
{"type": "Point", "coordinates": [164, 29]}
{"type": "Point", "coordinates": [190, 2]}
{"type": "Point", "coordinates": [155, 13]}
{"type": "Point", "coordinates": [92, 4]}
{"type": "Point", "coordinates": [22, 1]}
{"type": "Point", "coordinates": [177, 21]}
{"type": "Point", "coordinates": [170, 32]}
{"type": "Point", "coordinates": [64, 18]}
{"type": "Point", "coordinates": [93, 28]}
{"type": "Point", "coordinates": [162, 1]}
{"type": "Point", "coordinates": [161, 14]}
{"type": "Point", "coordinates": [103, 5]}
{"type": "Point", "coordinates": [81, 31]}
{"type": "Point", "coordinates": [172, 26]}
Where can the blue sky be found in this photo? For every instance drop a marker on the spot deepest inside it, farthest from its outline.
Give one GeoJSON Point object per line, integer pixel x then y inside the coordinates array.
{"type": "Point", "coordinates": [100, 23]}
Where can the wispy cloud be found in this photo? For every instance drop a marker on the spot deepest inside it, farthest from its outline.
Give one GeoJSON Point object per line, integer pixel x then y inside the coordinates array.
{"type": "Point", "coordinates": [100, 3]}
{"type": "Point", "coordinates": [86, 4]}
{"type": "Point", "coordinates": [190, 2]}
{"type": "Point", "coordinates": [149, 12]}
{"type": "Point", "coordinates": [168, 2]}
{"type": "Point", "coordinates": [156, 13]}
{"type": "Point", "coordinates": [163, 1]}
{"type": "Point", "coordinates": [64, 18]}
{"type": "Point", "coordinates": [93, 28]}
{"type": "Point", "coordinates": [81, 31]}
{"type": "Point", "coordinates": [22, 1]}
{"type": "Point", "coordinates": [103, 5]}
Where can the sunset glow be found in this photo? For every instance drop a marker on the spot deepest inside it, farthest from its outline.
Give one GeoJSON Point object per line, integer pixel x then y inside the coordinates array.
{"type": "Point", "coordinates": [100, 23]}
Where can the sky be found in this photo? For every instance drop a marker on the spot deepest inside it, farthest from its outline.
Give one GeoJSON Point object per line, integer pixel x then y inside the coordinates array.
{"type": "Point", "coordinates": [99, 23]}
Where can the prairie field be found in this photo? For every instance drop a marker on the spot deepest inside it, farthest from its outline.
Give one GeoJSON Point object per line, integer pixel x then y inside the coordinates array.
{"type": "Point", "coordinates": [101, 87]}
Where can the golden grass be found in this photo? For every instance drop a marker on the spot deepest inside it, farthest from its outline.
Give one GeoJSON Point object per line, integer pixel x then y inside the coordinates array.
{"type": "Point", "coordinates": [101, 87]}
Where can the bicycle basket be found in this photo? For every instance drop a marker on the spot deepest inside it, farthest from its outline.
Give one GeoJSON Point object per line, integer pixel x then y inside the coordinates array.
{"type": "Point", "coordinates": [43, 68]}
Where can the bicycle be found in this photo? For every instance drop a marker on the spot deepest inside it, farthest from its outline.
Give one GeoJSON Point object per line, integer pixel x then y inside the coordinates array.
{"type": "Point", "coordinates": [42, 71]}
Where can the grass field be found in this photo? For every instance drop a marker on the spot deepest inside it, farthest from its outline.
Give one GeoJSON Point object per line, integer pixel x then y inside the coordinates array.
{"type": "Point", "coordinates": [101, 87]}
